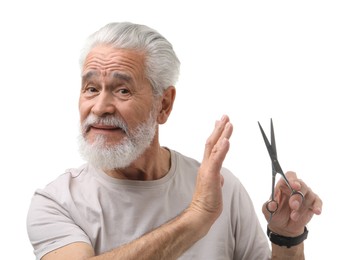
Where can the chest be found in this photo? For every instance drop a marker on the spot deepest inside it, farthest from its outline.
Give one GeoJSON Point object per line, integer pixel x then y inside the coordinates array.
{"type": "Point", "coordinates": [112, 217]}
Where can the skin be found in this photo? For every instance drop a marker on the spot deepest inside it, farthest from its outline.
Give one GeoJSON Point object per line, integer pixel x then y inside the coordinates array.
{"type": "Point", "coordinates": [114, 83]}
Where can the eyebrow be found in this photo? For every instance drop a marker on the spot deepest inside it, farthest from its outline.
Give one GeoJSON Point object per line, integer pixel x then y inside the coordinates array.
{"type": "Point", "coordinates": [115, 75]}
{"type": "Point", "coordinates": [121, 76]}
{"type": "Point", "coordinates": [89, 75]}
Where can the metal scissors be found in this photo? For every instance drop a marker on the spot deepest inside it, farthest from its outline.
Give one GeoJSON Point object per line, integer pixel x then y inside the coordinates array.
{"type": "Point", "coordinates": [276, 168]}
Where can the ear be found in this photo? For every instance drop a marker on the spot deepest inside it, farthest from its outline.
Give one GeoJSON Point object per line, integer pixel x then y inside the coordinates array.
{"type": "Point", "coordinates": [167, 102]}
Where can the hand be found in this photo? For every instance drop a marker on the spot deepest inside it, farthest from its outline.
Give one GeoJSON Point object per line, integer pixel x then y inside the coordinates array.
{"type": "Point", "coordinates": [293, 212]}
{"type": "Point", "coordinates": [207, 198]}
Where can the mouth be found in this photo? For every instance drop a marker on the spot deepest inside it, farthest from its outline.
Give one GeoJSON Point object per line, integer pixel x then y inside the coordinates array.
{"type": "Point", "coordinates": [109, 126]}
{"type": "Point", "coordinates": [104, 128]}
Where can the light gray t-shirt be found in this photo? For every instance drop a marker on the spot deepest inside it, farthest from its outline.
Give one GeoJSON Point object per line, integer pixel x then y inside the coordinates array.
{"type": "Point", "coordinates": [87, 205]}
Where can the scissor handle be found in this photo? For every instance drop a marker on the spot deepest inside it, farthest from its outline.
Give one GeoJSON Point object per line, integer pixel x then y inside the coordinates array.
{"type": "Point", "coordinates": [270, 202]}
{"type": "Point", "coordinates": [294, 192]}
{"type": "Point", "coordinates": [272, 212]}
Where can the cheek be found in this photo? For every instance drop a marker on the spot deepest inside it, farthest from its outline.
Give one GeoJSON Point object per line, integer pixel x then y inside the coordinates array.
{"type": "Point", "coordinates": [134, 117]}
{"type": "Point", "coordinates": [84, 110]}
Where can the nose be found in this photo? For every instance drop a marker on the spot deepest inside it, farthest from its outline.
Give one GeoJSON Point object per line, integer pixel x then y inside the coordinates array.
{"type": "Point", "coordinates": [104, 104]}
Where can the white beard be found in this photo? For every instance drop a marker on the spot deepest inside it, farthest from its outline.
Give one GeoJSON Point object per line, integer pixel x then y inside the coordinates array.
{"type": "Point", "coordinates": [120, 155]}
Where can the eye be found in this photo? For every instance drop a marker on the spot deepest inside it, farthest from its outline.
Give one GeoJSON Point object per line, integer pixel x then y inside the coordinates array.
{"type": "Point", "coordinates": [123, 91]}
{"type": "Point", "coordinates": [91, 89]}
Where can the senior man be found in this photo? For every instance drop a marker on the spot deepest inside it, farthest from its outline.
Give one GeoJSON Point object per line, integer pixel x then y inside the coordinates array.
{"type": "Point", "coordinates": [135, 199]}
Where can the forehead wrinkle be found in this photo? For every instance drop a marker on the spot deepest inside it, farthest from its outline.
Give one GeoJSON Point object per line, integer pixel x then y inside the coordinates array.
{"type": "Point", "coordinates": [114, 63]}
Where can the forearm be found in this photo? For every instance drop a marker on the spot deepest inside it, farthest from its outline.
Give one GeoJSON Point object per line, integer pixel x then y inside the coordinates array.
{"type": "Point", "coordinates": [284, 253]}
{"type": "Point", "coordinates": [166, 242]}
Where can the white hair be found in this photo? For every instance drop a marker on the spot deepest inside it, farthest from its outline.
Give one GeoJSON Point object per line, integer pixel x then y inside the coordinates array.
{"type": "Point", "coordinates": [162, 64]}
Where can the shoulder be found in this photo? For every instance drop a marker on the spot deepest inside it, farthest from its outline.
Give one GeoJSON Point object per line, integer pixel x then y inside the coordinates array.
{"type": "Point", "coordinates": [51, 211]}
{"type": "Point", "coordinates": [191, 165]}
{"type": "Point", "coordinates": [184, 161]}
{"type": "Point", "coordinates": [65, 180]}
{"type": "Point", "coordinates": [230, 177]}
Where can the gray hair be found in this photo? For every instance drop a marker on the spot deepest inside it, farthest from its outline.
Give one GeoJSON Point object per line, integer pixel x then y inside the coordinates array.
{"type": "Point", "coordinates": [162, 65]}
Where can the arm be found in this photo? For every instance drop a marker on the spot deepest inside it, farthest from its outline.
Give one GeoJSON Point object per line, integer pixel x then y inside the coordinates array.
{"type": "Point", "coordinates": [166, 242]}
{"type": "Point", "coordinates": [283, 253]}
{"type": "Point", "coordinates": [172, 239]}
{"type": "Point", "coordinates": [293, 215]}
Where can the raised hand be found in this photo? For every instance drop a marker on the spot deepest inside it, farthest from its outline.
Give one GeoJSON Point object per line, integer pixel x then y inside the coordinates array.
{"type": "Point", "coordinates": [207, 199]}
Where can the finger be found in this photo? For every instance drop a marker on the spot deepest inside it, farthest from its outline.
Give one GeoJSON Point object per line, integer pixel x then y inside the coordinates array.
{"type": "Point", "coordinates": [296, 200]}
{"type": "Point", "coordinates": [317, 205]}
{"type": "Point", "coordinates": [292, 179]}
{"type": "Point", "coordinates": [298, 197]}
{"type": "Point", "coordinates": [301, 192]}
{"type": "Point", "coordinates": [312, 202]}
{"type": "Point", "coordinates": [218, 155]}
{"type": "Point", "coordinates": [220, 131]}
{"type": "Point", "coordinates": [272, 206]}
{"type": "Point", "coordinates": [215, 135]}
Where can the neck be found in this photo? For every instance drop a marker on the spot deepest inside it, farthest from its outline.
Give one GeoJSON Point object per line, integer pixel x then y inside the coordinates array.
{"type": "Point", "coordinates": [153, 164]}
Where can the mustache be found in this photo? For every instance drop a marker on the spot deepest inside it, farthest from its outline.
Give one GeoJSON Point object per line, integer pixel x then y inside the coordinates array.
{"type": "Point", "coordinates": [106, 121]}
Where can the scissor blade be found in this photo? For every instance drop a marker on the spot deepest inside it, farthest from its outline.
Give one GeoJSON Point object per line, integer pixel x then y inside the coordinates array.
{"type": "Point", "coordinates": [275, 163]}
{"type": "Point", "coordinates": [273, 143]}
{"type": "Point", "coordinates": [276, 168]}
{"type": "Point", "coordinates": [268, 145]}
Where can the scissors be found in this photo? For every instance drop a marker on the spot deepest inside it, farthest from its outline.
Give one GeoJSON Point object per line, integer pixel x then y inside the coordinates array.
{"type": "Point", "coordinates": [276, 168]}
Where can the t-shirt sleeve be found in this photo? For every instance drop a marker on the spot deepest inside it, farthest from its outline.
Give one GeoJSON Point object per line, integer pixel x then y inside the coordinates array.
{"type": "Point", "coordinates": [249, 233]}
{"type": "Point", "coordinates": [250, 242]}
{"type": "Point", "coordinates": [50, 226]}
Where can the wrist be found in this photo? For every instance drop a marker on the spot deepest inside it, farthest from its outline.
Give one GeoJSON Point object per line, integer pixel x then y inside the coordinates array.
{"type": "Point", "coordinates": [285, 241]}
{"type": "Point", "coordinates": [198, 222]}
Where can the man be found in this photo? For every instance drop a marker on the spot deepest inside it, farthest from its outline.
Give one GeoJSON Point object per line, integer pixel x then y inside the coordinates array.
{"type": "Point", "coordinates": [137, 200]}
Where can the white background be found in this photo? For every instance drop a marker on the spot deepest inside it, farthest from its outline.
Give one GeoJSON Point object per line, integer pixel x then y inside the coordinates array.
{"type": "Point", "coordinates": [253, 60]}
